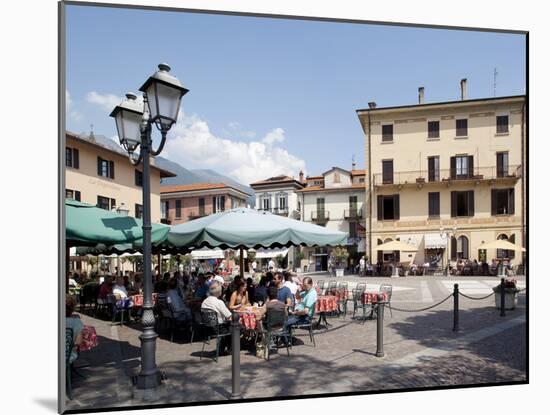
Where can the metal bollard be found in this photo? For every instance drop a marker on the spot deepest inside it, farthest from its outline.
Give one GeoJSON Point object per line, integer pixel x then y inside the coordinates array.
{"type": "Point", "coordinates": [235, 357]}
{"type": "Point", "coordinates": [502, 298]}
{"type": "Point", "coordinates": [455, 306]}
{"type": "Point", "coordinates": [380, 328]}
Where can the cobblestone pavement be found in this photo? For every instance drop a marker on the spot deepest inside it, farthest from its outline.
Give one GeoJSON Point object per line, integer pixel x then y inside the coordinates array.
{"type": "Point", "coordinates": [421, 350]}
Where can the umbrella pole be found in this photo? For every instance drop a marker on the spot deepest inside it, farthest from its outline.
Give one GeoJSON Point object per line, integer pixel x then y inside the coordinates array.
{"type": "Point", "coordinates": [241, 262]}
{"type": "Point", "coordinates": [67, 265]}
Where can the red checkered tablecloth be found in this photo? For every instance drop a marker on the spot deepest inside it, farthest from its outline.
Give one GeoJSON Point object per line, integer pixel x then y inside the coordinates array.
{"type": "Point", "coordinates": [326, 303]}
{"type": "Point", "coordinates": [249, 319]}
{"type": "Point", "coordinates": [137, 299]}
{"type": "Point", "coordinates": [89, 339]}
{"type": "Point", "coordinates": [372, 298]}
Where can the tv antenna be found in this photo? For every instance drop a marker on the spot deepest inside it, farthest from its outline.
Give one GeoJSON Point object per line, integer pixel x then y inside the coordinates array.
{"type": "Point", "coordinates": [495, 73]}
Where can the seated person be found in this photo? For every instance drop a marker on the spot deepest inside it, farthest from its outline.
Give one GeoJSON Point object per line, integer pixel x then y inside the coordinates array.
{"type": "Point", "coordinates": [285, 296]}
{"type": "Point", "coordinates": [260, 292]}
{"type": "Point", "coordinates": [73, 322]}
{"type": "Point", "coordinates": [304, 310]}
{"type": "Point", "coordinates": [119, 289]}
{"type": "Point", "coordinates": [289, 282]}
{"type": "Point", "coordinates": [239, 297]}
{"type": "Point", "coordinates": [202, 288]}
{"type": "Point", "coordinates": [214, 303]}
{"type": "Point", "coordinates": [179, 309]}
{"type": "Point", "coordinates": [250, 288]}
{"type": "Point", "coordinates": [273, 302]}
{"type": "Point", "coordinates": [104, 289]}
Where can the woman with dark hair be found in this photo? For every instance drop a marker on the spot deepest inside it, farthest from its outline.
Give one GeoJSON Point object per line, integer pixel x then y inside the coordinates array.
{"type": "Point", "coordinates": [239, 297]}
{"type": "Point", "coordinates": [260, 292]}
{"type": "Point", "coordinates": [73, 322]}
{"type": "Point", "coordinates": [250, 288]}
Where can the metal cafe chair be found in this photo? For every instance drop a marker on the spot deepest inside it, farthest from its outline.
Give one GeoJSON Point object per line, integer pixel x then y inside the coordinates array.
{"type": "Point", "coordinates": [387, 289]}
{"type": "Point", "coordinates": [276, 328]}
{"type": "Point", "coordinates": [209, 319]}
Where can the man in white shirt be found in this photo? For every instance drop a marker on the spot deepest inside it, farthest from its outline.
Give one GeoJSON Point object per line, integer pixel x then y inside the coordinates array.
{"type": "Point", "coordinates": [271, 264]}
{"type": "Point", "coordinates": [120, 289]}
{"type": "Point", "coordinates": [362, 266]}
{"type": "Point", "coordinates": [289, 282]}
{"type": "Point", "coordinates": [213, 302]}
{"type": "Point", "coordinates": [254, 266]}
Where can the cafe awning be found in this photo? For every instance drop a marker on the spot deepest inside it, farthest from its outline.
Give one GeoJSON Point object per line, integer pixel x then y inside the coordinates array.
{"type": "Point", "coordinates": [88, 225]}
{"type": "Point", "coordinates": [435, 241]}
{"type": "Point", "coordinates": [206, 253]}
{"type": "Point", "coordinates": [271, 253]}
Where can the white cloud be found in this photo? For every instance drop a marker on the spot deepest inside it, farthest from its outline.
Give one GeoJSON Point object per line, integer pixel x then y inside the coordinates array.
{"type": "Point", "coordinates": [236, 130]}
{"type": "Point", "coordinates": [276, 135]}
{"type": "Point", "coordinates": [105, 101]}
{"type": "Point", "coordinates": [193, 145]}
{"type": "Point", "coordinates": [69, 108]}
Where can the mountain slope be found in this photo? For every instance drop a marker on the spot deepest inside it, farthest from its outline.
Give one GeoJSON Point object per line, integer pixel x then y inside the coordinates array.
{"type": "Point", "coordinates": [185, 176]}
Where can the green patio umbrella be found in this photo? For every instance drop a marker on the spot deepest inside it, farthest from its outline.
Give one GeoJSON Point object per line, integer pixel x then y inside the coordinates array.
{"type": "Point", "coordinates": [88, 225]}
{"type": "Point", "coordinates": [244, 228]}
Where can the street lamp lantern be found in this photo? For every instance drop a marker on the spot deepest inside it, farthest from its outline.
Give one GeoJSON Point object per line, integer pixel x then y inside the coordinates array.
{"type": "Point", "coordinates": [128, 116]}
{"type": "Point", "coordinates": [123, 210]}
{"type": "Point", "coordinates": [163, 93]}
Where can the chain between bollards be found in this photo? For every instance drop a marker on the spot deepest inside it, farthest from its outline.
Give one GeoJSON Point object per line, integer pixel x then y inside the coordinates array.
{"type": "Point", "coordinates": [502, 298]}
{"type": "Point", "coordinates": [380, 326]}
{"type": "Point", "coordinates": [235, 357]}
{"type": "Point", "coordinates": [455, 308]}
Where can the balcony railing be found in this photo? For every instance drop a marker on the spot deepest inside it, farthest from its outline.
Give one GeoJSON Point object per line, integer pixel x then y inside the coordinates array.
{"type": "Point", "coordinates": [320, 216]}
{"type": "Point", "coordinates": [353, 214]}
{"type": "Point", "coordinates": [280, 211]}
{"type": "Point", "coordinates": [513, 172]}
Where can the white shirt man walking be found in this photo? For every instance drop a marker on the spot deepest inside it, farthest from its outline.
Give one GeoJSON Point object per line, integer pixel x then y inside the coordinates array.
{"type": "Point", "coordinates": [362, 267]}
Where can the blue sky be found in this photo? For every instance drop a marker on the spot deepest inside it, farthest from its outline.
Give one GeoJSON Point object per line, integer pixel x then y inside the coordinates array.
{"type": "Point", "coordinates": [271, 96]}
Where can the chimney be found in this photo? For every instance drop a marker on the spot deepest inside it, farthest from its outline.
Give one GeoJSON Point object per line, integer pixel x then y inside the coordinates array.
{"type": "Point", "coordinates": [372, 105]}
{"type": "Point", "coordinates": [301, 176]}
{"type": "Point", "coordinates": [463, 91]}
{"type": "Point", "coordinates": [421, 95]}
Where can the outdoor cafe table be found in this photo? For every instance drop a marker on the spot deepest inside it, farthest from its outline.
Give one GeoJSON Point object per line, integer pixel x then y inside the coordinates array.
{"type": "Point", "coordinates": [137, 299]}
{"type": "Point", "coordinates": [325, 304]}
{"type": "Point", "coordinates": [248, 317]}
{"type": "Point", "coordinates": [89, 339]}
{"type": "Point", "coordinates": [372, 297]}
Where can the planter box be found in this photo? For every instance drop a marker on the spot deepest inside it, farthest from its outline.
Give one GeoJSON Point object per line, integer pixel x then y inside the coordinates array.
{"type": "Point", "coordinates": [510, 300]}
{"type": "Point", "coordinates": [339, 272]}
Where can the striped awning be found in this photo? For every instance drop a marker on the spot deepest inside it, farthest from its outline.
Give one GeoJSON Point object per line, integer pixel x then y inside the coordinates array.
{"type": "Point", "coordinates": [435, 241]}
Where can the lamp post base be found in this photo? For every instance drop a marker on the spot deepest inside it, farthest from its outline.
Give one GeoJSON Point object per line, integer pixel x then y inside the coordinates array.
{"type": "Point", "coordinates": [148, 381]}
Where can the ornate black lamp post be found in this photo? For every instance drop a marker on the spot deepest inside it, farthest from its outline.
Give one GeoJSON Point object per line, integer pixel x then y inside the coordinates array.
{"type": "Point", "coordinates": [162, 95]}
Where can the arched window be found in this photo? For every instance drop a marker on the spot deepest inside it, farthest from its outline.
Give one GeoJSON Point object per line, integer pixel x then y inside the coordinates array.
{"type": "Point", "coordinates": [462, 248]}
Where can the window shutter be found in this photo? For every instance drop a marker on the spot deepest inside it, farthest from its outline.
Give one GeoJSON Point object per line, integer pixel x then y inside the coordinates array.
{"type": "Point", "coordinates": [453, 167]}
{"type": "Point", "coordinates": [453, 204]}
{"type": "Point", "coordinates": [214, 204]}
{"type": "Point", "coordinates": [470, 166]}
{"type": "Point", "coordinates": [99, 166]}
{"type": "Point", "coordinates": [465, 248]}
{"type": "Point", "coordinates": [471, 203]}
{"type": "Point", "coordinates": [511, 202]}
{"type": "Point", "coordinates": [396, 206]}
{"type": "Point", "coordinates": [493, 202]}
{"type": "Point", "coordinates": [76, 159]}
{"type": "Point", "coordinates": [380, 208]}
{"type": "Point", "coordinates": [222, 203]}
{"type": "Point", "coordinates": [453, 248]}
{"type": "Point", "coordinates": [112, 169]}
{"type": "Point", "coordinates": [77, 195]}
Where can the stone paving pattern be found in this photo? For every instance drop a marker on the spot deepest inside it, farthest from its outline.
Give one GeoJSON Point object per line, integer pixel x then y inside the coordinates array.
{"type": "Point", "coordinates": [343, 361]}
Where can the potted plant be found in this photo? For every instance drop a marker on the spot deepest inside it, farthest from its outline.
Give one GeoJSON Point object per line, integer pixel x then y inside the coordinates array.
{"type": "Point", "coordinates": [510, 294]}
{"type": "Point", "coordinates": [340, 259]}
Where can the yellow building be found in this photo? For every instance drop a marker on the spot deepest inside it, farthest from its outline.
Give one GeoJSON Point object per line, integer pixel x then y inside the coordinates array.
{"type": "Point", "coordinates": [446, 177]}
{"type": "Point", "coordinates": [98, 172]}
